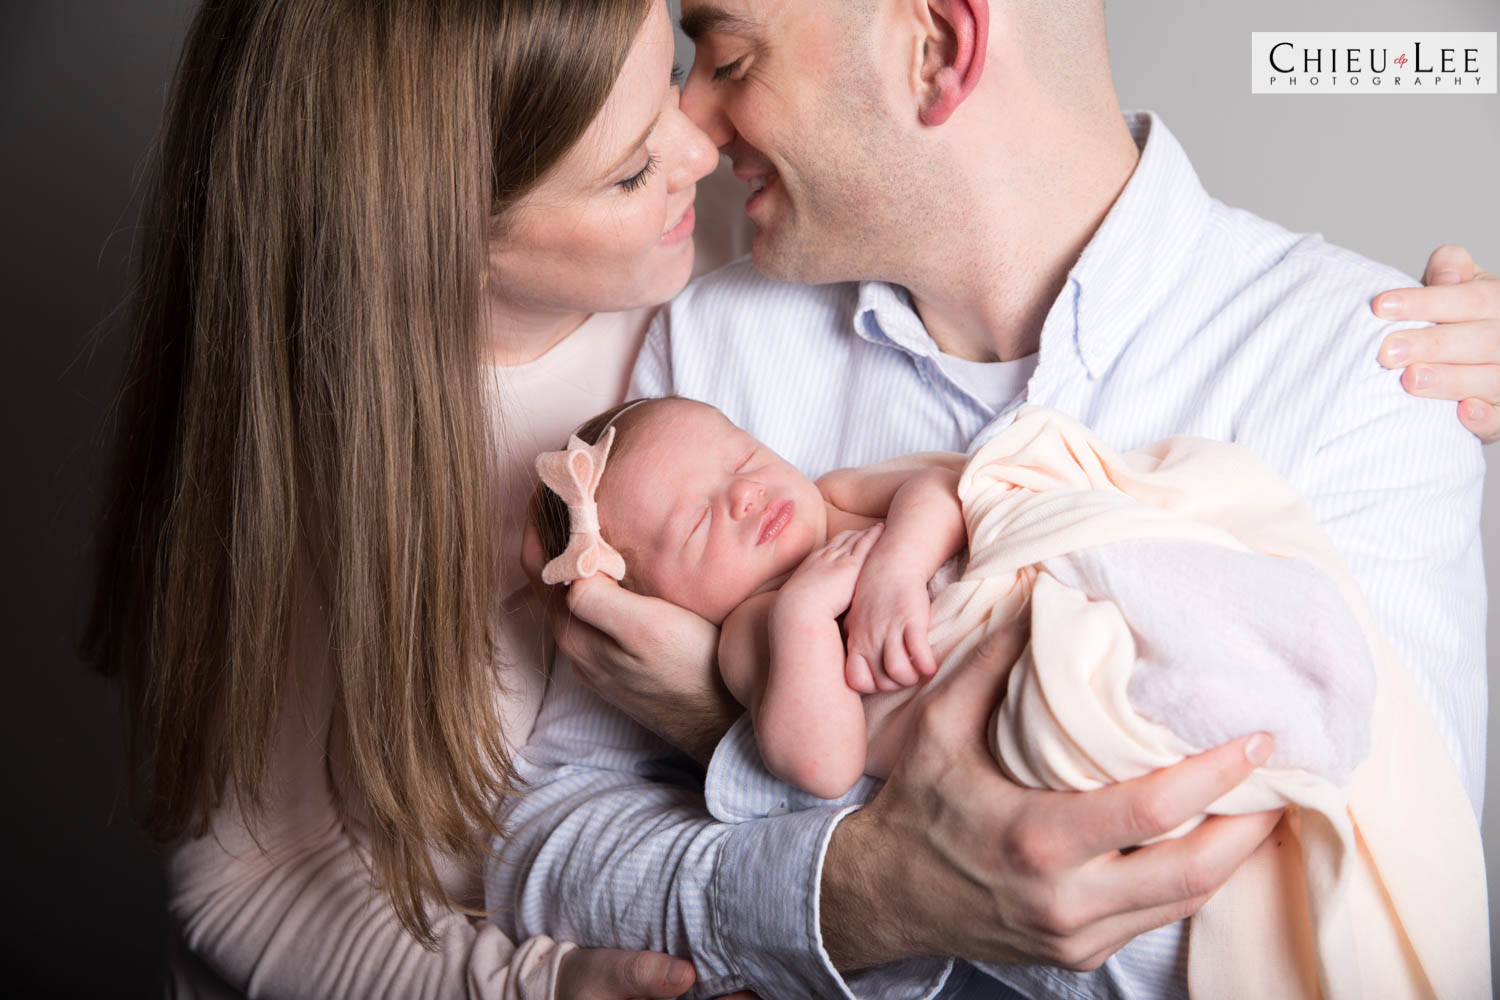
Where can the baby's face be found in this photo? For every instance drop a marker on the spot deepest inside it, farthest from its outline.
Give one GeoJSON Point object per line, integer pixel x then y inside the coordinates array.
{"type": "Point", "coordinates": [705, 514]}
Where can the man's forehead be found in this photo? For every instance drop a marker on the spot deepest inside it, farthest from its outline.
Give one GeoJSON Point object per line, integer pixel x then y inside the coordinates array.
{"type": "Point", "coordinates": [731, 17]}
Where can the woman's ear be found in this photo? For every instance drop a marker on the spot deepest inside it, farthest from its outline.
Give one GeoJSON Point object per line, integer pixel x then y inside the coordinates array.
{"type": "Point", "coordinates": [951, 57]}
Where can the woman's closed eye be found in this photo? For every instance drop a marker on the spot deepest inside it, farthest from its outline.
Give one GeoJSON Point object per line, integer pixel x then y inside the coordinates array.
{"type": "Point", "coordinates": [638, 180]}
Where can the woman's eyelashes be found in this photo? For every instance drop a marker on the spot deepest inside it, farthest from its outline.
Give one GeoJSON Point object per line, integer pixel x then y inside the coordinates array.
{"type": "Point", "coordinates": [678, 75]}
{"type": "Point", "coordinates": [638, 180]}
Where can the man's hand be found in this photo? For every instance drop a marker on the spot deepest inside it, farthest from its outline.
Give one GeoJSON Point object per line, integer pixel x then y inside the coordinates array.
{"type": "Point", "coordinates": [1460, 358]}
{"type": "Point", "coordinates": [651, 659]}
{"type": "Point", "coordinates": [951, 858]}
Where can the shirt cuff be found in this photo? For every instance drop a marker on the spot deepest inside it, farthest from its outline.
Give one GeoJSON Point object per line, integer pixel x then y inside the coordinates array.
{"type": "Point", "coordinates": [770, 871]}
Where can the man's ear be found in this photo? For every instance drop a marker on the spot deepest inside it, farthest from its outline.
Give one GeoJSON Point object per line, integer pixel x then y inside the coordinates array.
{"type": "Point", "coordinates": [951, 56]}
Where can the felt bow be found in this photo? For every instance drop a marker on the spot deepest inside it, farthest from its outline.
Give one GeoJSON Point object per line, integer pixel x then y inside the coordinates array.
{"type": "Point", "coordinates": [574, 476]}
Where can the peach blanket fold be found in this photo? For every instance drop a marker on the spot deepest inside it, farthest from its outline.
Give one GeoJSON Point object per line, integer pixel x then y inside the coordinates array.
{"type": "Point", "coordinates": [1375, 889]}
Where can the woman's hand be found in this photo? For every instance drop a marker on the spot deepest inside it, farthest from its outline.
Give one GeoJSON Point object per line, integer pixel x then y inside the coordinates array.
{"type": "Point", "coordinates": [651, 659]}
{"type": "Point", "coordinates": [607, 974]}
{"type": "Point", "coordinates": [1460, 358]}
{"type": "Point", "coordinates": [951, 858]}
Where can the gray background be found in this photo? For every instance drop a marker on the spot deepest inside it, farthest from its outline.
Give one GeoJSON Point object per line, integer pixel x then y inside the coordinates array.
{"type": "Point", "coordinates": [81, 85]}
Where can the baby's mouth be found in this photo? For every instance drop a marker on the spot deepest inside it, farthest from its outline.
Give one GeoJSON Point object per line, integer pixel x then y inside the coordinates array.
{"type": "Point", "coordinates": [776, 517]}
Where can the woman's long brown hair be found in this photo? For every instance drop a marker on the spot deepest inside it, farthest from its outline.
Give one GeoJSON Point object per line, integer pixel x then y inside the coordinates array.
{"type": "Point", "coordinates": [303, 377]}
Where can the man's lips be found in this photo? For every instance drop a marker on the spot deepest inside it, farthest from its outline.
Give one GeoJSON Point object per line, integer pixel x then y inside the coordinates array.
{"type": "Point", "coordinates": [776, 517]}
{"type": "Point", "coordinates": [758, 180]}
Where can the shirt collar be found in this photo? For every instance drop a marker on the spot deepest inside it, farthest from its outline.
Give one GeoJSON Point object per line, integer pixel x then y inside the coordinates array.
{"type": "Point", "coordinates": [1140, 251]}
{"type": "Point", "coordinates": [1128, 267]}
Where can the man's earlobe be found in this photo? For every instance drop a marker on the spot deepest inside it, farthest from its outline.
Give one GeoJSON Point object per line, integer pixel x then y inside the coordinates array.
{"type": "Point", "coordinates": [953, 56]}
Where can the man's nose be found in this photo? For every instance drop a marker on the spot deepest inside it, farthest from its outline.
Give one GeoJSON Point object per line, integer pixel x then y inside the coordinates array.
{"type": "Point", "coordinates": [701, 103]}
{"type": "Point", "coordinates": [745, 498]}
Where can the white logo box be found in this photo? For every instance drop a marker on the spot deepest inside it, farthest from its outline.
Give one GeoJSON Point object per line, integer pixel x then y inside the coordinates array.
{"type": "Point", "coordinates": [1372, 62]}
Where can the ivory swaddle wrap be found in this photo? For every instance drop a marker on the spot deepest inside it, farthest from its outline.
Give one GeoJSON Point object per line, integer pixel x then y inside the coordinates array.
{"type": "Point", "coordinates": [1373, 890]}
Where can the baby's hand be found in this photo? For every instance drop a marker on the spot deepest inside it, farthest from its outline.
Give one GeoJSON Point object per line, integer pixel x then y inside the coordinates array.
{"type": "Point", "coordinates": [824, 582]}
{"type": "Point", "coordinates": [887, 627]}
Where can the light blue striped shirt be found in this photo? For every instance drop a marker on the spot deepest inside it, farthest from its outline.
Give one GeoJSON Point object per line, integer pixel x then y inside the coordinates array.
{"type": "Point", "coordinates": [1182, 316]}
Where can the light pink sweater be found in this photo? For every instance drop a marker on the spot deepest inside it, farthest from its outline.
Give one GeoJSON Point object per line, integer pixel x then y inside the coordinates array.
{"type": "Point", "coordinates": [292, 912]}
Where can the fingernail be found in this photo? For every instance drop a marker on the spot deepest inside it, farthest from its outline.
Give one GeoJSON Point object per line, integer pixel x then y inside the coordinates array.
{"type": "Point", "coordinates": [679, 975]}
{"type": "Point", "coordinates": [1422, 378]}
{"type": "Point", "coordinates": [1396, 352]}
{"type": "Point", "coordinates": [1389, 306]}
{"type": "Point", "coordinates": [1258, 750]}
{"type": "Point", "coordinates": [1446, 278]}
{"type": "Point", "coordinates": [1471, 411]}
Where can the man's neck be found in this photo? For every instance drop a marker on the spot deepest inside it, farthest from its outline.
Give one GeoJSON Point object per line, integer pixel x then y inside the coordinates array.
{"type": "Point", "coordinates": [987, 297]}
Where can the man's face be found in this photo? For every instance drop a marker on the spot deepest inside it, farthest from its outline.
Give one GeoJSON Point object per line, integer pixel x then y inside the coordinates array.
{"type": "Point", "coordinates": [789, 92]}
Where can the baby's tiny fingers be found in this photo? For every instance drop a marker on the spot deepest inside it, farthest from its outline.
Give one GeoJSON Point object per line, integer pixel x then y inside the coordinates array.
{"type": "Point", "coordinates": [857, 674]}
{"type": "Point", "coordinates": [867, 539]}
{"type": "Point", "coordinates": [920, 652]}
{"type": "Point", "coordinates": [897, 665]}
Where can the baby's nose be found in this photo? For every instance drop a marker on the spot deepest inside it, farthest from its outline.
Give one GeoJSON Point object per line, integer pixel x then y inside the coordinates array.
{"type": "Point", "coordinates": [745, 498]}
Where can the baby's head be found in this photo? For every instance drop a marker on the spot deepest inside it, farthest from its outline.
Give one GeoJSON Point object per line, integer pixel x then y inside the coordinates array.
{"type": "Point", "coordinates": [703, 514]}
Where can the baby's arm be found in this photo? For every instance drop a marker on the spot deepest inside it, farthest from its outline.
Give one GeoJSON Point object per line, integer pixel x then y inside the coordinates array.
{"type": "Point", "coordinates": [889, 616]}
{"type": "Point", "coordinates": [782, 657]}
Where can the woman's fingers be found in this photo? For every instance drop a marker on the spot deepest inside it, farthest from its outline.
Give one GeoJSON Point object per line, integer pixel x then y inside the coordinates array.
{"type": "Point", "coordinates": [1481, 418]}
{"type": "Point", "coordinates": [1448, 265]}
{"type": "Point", "coordinates": [1463, 381]}
{"type": "Point", "coordinates": [1476, 299]}
{"type": "Point", "coordinates": [1476, 342]}
{"type": "Point", "coordinates": [609, 974]}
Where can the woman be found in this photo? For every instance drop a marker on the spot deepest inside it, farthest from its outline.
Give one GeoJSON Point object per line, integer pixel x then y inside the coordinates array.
{"type": "Point", "coordinates": [391, 249]}
{"type": "Point", "coordinates": [360, 212]}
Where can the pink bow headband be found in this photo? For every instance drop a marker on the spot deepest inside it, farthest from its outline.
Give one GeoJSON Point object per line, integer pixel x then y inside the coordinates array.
{"type": "Point", "coordinates": [574, 476]}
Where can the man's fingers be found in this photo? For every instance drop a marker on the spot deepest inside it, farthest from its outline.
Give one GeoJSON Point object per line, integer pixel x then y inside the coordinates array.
{"type": "Point", "coordinates": [1472, 300]}
{"type": "Point", "coordinates": [1172, 873]}
{"type": "Point", "coordinates": [1448, 265]}
{"type": "Point", "coordinates": [1453, 381]}
{"type": "Point", "coordinates": [1451, 344]}
{"type": "Point", "coordinates": [1141, 809]}
{"type": "Point", "coordinates": [1481, 418]}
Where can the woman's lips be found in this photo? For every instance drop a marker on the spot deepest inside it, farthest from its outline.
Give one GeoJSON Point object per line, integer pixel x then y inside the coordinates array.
{"type": "Point", "coordinates": [774, 520]}
{"type": "Point", "coordinates": [682, 230]}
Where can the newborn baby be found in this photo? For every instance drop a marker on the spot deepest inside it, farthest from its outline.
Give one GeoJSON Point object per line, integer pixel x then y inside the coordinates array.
{"type": "Point", "coordinates": [1177, 597]}
{"type": "Point", "coordinates": [712, 520]}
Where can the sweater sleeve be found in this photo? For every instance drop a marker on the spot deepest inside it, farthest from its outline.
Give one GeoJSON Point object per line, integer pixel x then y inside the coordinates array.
{"type": "Point", "coordinates": [286, 907]}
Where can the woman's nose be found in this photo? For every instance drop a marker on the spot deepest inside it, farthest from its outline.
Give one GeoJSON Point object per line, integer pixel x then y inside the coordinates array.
{"type": "Point", "coordinates": [745, 498]}
{"type": "Point", "coordinates": [695, 156]}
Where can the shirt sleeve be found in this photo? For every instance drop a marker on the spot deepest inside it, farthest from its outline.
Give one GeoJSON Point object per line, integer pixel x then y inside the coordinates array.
{"type": "Point", "coordinates": [287, 908]}
{"type": "Point", "coordinates": [1398, 484]}
{"type": "Point", "coordinates": [611, 845]}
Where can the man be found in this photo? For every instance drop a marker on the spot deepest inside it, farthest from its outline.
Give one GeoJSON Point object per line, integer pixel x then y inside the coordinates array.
{"type": "Point", "coordinates": [1018, 240]}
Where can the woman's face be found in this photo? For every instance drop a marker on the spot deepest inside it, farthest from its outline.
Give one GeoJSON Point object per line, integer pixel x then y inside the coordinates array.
{"type": "Point", "coordinates": [611, 227]}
